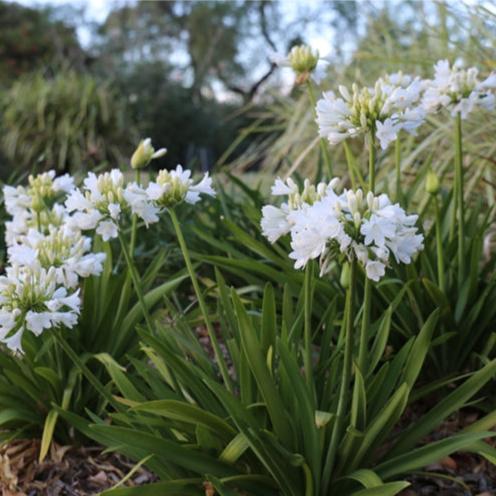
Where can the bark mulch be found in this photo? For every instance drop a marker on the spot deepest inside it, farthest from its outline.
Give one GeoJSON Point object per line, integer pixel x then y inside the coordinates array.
{"type": "Point", "coordinates": [66, 471]}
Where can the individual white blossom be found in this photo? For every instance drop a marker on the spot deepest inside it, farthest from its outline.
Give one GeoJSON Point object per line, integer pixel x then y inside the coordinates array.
{"type": "Point", "coordinates": [30, 299]}
{"type": "Point", "coordinates": [277, 221]}
{"type": "Point", "coordinates": [140, 204]}
{"type": "Point", "coordinates": [458, 89]}
{"type": "Point", "coordinates": [387, 108]}
{"type": "Point", "coordinates": [350, 225]}
{"type": "Point", "coordinates": [68, 252]}
{"type": "Point", "coordinates": [173, 187]}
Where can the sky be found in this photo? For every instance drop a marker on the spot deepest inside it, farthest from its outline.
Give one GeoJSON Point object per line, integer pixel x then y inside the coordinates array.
{"type": "Point", "coordinates": [97, 10]}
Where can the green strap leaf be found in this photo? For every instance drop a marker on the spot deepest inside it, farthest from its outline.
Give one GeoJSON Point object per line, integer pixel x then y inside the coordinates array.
{"type": "Point", "coordinates": [410, 437]}
{"type": "Point", "coordinates": [433, 452]}
{"type": "Point", "coordinates": [389, 489]}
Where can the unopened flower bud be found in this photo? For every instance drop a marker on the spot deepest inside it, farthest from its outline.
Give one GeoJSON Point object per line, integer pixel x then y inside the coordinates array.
{"type": "Point", "coordinates": [345, 93]}
{"type": "Point", "coordinates": [344, 280]}
{"type": "Point", "coordinates": [357, 219]}
{"type": "Point", "coordinates": [432, 183]}
{"type": "Point", "coordinates": [370, 200]}
{"type": "Point", "coordinates": [145, 153]}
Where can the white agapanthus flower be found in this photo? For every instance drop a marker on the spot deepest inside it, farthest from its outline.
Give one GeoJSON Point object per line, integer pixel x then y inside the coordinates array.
{"type": "Point", "coordinates": [104, 199]}
{"type": "Point", "coordinates": [387, 108]}
{"type": "Point", "coordinates": [66, 251]}
{"type": "Point", "coordinates": [98, 204]}
{"type": "Point", "coordinates": [30, 299]}
{"type": "Point", "coordinates": [17, 228]}
{"type": "Point", "coordinates": [175, 186]}
{"type": "Point", "coordinates": [276, 221]}
{"type": "Point", "coordinates": [458, 89]}
{"type": "Point", "coordinates": [369, 229]}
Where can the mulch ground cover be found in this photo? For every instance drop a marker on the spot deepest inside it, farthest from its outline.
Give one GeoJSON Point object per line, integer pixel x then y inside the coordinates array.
{"type": "Point", "coordinates": [67, 471]}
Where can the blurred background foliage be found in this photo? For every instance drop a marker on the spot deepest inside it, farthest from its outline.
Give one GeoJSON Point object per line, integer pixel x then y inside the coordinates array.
{"type": "Point", "coordinates": [200, 77]}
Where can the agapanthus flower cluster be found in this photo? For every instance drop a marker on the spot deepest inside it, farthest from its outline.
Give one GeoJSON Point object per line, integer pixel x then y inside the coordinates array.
{"type": "Point", "coordinates": [37, 205]}
{"type": "Point", "coordinates": [32, 300]}
{"type": "Point", "coordinates": [173, 187]}
{"type": "Point", "coordinates": [387, 108]}
{"type": "Point", "coordinates": [458, 89]}
{"type": "Point", "coordinates": [105, 200]}
{"type": "Point", "coordinates": [63, 250]}
{"type": "Point", "coordinates": [47, 255]}
{"type": "Point", "coordinates": [350, 225]}
{"type": "Point", "coordinates": [102, 202]}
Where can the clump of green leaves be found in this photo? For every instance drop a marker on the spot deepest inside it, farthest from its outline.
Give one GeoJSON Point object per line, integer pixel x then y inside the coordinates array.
{"type": "Point", "coordinates": [68, 122]}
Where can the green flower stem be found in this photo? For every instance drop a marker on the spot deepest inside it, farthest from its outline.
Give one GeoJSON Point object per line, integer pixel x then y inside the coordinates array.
{"type": "Point", "coordinates": [92, 379]}
{"type": "Point", "coordinates": [349, 162]}
{"type": "Point", "coordinates": [203, 307]}
{"type": "Point", "coordinates": [459, 198]}
{"type": "Point", "coordinates": [342, 407]}
{"type": "Point", "coordinates": [322, 142]}
{"type": "Point", "coordinates": [136, 282]}
{"type": "Point", "coordinates": [397, 161]}
{"type": "Point", "coordinates": [367, 298]}
{"type": "Point", "coordinates": [439, 246]}
{"type": "Point", "coordinates": [125, 293]}
{"type": "Point", "coordinates": [308, 323]}
{"type": "Point", "coordinates": [372, 159]}
{"type": "Point", "coordinates": [134, 225]}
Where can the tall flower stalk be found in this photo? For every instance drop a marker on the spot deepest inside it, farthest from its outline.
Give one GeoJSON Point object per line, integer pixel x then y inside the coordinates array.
{"type": "Point", "coordinates": [397, 164]}
{"type": "Point", "coordinates": [460, 201]}
{"type": "Point", "coordinates": [201, 301]}
{"type": "Point", "coordinates": [367, 299]}
{"type": "Point", "coordinates": [345, 380]}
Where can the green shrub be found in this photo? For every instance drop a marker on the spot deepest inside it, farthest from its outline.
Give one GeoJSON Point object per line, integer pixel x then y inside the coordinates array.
{"type": "Point", "coordinates": [70, 122]}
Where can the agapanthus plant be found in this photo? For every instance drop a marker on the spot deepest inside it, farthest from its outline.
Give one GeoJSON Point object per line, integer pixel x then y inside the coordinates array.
{"type": "Point", "coordinates": [327, 226]}
{"type": "Point", "coordinates": [51, 257]}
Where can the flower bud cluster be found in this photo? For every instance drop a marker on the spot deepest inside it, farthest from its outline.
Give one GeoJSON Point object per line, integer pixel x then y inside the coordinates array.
{"type": "Point", "coordinates": [303, 60]}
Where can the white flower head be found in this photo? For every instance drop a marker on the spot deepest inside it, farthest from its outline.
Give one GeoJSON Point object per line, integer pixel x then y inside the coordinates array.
{"type": "Point", "coordinates": [277, 221]}
{"type": "Point", "coordinates": [458, 89]}
{"type": "Point", "coordinates": [173, 187]}
{"type": "Point", "coordinates": [65, 251]}
{"type": "Point", "coordinates": [98, 204]}
{"type": "Point", "coordinates": [31, 300]}
{"type": "Point", "coordinates": [349, 226]}
{"type": "Point", "coordinates": [385, 110]}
